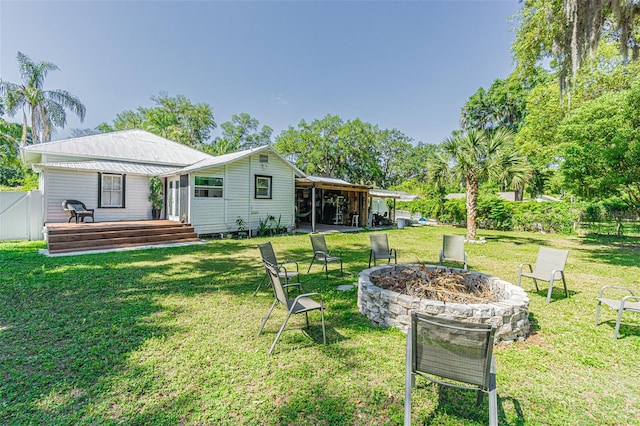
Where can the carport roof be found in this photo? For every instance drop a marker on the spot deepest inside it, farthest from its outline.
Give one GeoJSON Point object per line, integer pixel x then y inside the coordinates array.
{"type": "Point", "coordinates": [330, 183]}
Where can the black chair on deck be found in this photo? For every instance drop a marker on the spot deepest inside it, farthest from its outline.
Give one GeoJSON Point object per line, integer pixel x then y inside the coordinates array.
{"type": "Point", "coordinates": [77, 210]}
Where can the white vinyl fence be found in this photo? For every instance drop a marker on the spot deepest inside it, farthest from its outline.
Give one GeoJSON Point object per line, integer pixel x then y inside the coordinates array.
{"type": "Point", "coordinates": [21, 216]}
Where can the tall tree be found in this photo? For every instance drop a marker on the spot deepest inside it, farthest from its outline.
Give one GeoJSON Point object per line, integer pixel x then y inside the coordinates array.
{"type": "Point", "coordinates": [242, 132]}
{"type": "Point", "coordinates": [46, 108]}
{"type": "Point", "coordinates": [332, 147]}
{"type": "Point", "coordinates": [601, 142]}
{"type": "Point", "coordinates": [175, 118]}
{"type": "Point", "coordinates": [502, 105]}
{"type": "Point", "coordinates": [395, 154]}
{"type": "Point", "coordinates": [316, 148]}
{"type": "Point", "coordinates": [477, 156]}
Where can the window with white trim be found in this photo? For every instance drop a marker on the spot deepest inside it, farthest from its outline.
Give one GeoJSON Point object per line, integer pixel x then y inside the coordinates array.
{"type": "Point", "coordinates": [208, 187]}
{"type": "Point", "coordinates": [111, 190]}
{"type": "Point", "coordinates": [263, 187]}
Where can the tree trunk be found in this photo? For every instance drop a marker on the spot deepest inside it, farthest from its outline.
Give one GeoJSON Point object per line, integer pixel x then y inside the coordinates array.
{"type": "Point", "coordinates": [23, 141]}
{"type": "Point", "coordinates": [34, 134]}
{"type": "Point", "coordinates": [472, 206]}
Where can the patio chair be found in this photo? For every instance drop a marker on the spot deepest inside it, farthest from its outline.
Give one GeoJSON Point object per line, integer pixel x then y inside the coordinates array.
{"type": "Point", "coordinates": [451, 353]}
{"type": "Point", "coordinates": [627, 303]}
{"type": "Point", "coordinates": [77, 210]}
{"type": "Point", "coordinates": [268, 255]}
{"type": "Point", "coordinates": [302, 304]}
{"type": "Point", "coordinates": [549, 267]}
{"type": "Point", "coordinates": [453, 250]}
{"type": "Point", "coordinates": [321, 253]}
{"type": "Point", "coordinates": [380, 249]}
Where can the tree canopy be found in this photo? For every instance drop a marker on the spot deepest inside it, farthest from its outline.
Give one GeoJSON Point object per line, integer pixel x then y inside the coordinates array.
{"type": "Point", "coordinates": [601, 141]}
{"type": "Point", "coordinates": [242, 132]}
{"type": "Point", "coordinates": [354, 150]}
{"type": "Point", "coordinates": [175, 118]}
{"type": "Point", "coordinates": [569, 31]}
{"type": "Point", "coordinates": [502, 105]}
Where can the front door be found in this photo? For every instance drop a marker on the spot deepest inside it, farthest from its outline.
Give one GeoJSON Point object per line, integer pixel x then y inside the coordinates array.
{"type": "Point", "coordinates": [173, 201]}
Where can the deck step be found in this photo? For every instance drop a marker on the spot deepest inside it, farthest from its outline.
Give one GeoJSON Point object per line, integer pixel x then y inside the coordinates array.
{"type": "Point", "coordinates": [114, 235]}
{"type": "Point", "coordinates": [114, 226]}
{"type": "Point", "coordinates": [121, 246]}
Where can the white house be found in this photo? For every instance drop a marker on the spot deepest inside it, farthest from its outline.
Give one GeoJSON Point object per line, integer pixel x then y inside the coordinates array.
{"type": "Point", "coordinates": [110, 173]}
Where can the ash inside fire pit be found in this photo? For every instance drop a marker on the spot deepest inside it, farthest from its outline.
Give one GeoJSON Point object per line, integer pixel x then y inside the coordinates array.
{"type": "Point", "coordinates": [442, 284]}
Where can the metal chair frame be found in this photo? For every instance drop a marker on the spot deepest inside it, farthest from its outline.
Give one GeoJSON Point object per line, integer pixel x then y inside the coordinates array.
{"type": "Point", "coordinates": [268, 255]}
{"type": "Point", "coordinates": [380, 249]}
{"type": "Point", "coordinates": [629, 303]}
{"type": "Point", "coordinates": [320, 252]}
{"type": "Point", "coordinates": [420, 359]}
{"type": "Point", "coordinates": [303, 303]}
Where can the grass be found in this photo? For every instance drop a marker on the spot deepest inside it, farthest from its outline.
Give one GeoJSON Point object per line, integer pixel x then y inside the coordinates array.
{"type": "Point", "coordinates": [168, 336]}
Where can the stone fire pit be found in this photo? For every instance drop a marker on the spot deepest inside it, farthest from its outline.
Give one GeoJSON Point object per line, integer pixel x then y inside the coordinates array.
{"type": "Point", "coordinates": [509, 311]}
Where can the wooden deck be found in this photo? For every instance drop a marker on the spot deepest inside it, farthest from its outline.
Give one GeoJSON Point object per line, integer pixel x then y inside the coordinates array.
{"type": "Point", "coordinates": [86, 237]}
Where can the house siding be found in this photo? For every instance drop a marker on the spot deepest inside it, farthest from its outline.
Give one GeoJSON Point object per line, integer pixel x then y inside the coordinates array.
{"type": "Point", "coordinates": [219, 215]}
{"type": "Point", "coordinates": [60, 185]}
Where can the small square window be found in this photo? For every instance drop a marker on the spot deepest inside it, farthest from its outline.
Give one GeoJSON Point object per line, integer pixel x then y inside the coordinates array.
{"type": "Point", "coordinates": [263, 187]}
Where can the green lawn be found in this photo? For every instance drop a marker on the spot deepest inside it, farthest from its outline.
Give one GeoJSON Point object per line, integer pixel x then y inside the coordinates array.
{"type": "Point", "coordinates": [168, 336]}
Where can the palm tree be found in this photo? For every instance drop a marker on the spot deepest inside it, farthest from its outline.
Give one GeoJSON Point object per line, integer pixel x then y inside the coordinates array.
{"type": "Point", "coordinates": [46, 108]}
{"type": "Point", "coordinates": [476, 156]}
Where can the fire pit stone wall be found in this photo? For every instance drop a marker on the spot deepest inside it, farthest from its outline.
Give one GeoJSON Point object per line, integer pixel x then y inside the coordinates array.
{"type": "Point", "coordinates": [510, 314]}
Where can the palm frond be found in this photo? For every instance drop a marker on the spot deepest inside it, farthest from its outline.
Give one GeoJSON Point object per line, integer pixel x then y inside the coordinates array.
{"type": "Point", "coordinates": [69, 101]}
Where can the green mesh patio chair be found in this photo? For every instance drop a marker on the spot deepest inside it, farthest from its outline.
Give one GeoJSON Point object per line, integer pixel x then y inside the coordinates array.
{"type": "Point", "coordinates": [268, 255]}
{"type": "Point", "coordinates": [451, 353]}
{"type": "Point", "coordinates": [380, 249]}
{"type": "Point", "coordinates": [302, 304]}
{"type": "Point", "coordinates": [322, 254]}
{"type": "Point", "coordinates": [453, 250]}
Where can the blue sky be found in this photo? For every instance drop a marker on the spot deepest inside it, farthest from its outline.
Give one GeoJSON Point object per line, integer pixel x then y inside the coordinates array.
{"type": "Point", "coordinates": [405, 65]}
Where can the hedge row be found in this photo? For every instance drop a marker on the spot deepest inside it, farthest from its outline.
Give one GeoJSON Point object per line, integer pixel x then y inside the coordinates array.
{"type": "Point", "coordinates": [496, 213]}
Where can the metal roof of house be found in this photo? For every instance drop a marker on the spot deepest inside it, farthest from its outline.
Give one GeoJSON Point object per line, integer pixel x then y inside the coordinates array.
{"type": "Point", "coordinates": [111, 166]}
{"type": "Point", "coordinates": [137, 146]}
{"type": "Point", "coordinates": [223, 159]}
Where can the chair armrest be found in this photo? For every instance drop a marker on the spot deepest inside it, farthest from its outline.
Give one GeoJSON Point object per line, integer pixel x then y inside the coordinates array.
{"type": "Point", "coordinates": [617, 287]}
{"type": "Point", "coordinates": [321, 253]}
{"type": "Point", "coordinates": [290, 262]}
{"type": "Point", "coordinates": [292, 285]}
{"type": "Point", "coordinates": [555, 271]}
{"type": "Point", "coordinates": [282, 268]}
{"type": "Point", "coordinates": [624, 299]}
{"type": "Point", "coordinates": [286, 287]}
{"type": "Point", "coordinates": [522, 265]}
{"type": "Point", "coordinates": [307, 295]}
{"type": "Point", "coordinates": [338, 250]}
